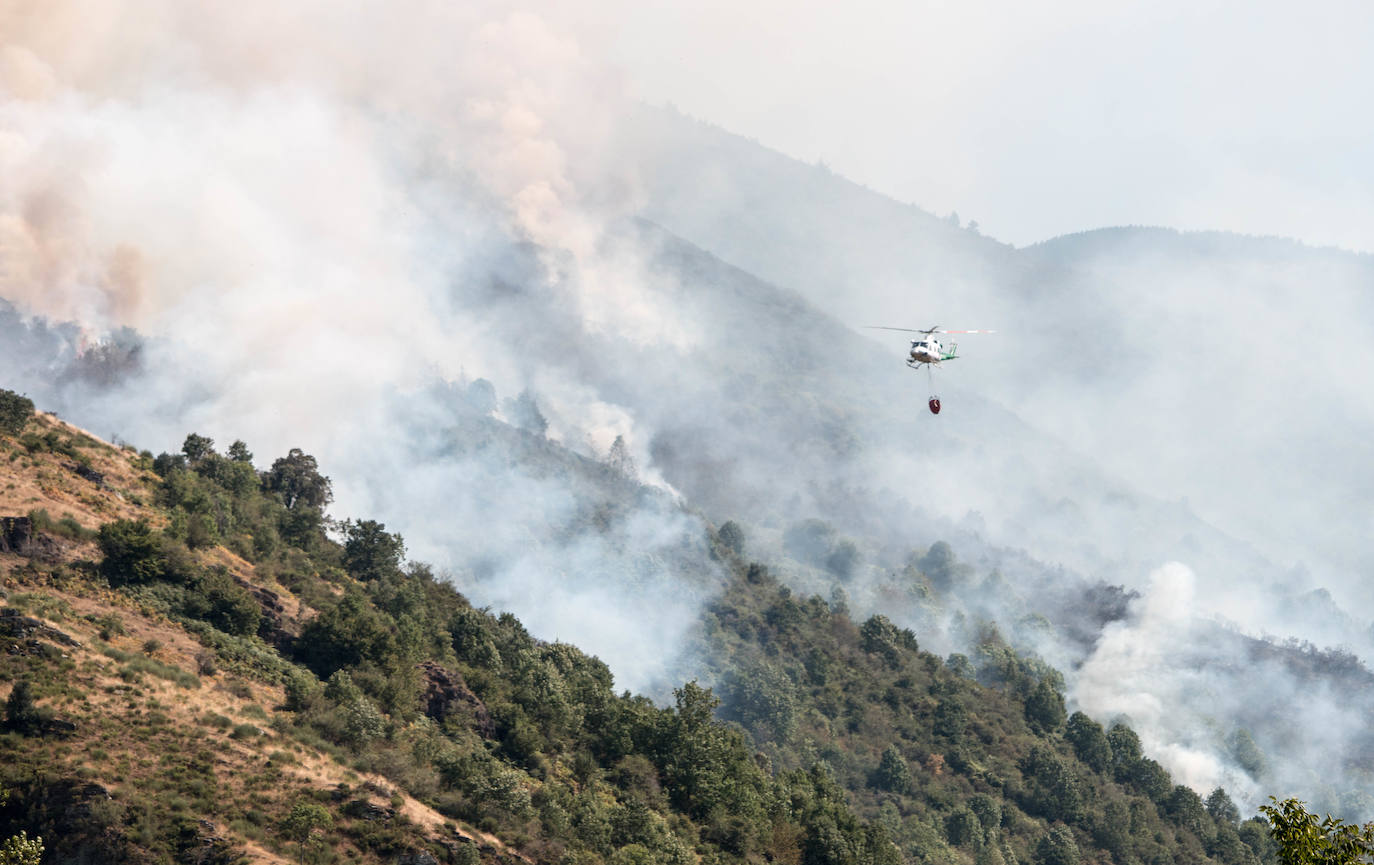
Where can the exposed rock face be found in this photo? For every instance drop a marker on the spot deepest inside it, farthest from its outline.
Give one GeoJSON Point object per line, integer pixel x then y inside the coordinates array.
{"type": "Point", "coordinates": [363, 809]}
{"type": "Point", "coordinates": [59, 727]}
{"type": "Point", "coordinates": [20, 627]}
{"type": "Point", "coordinates": [199, 844]}
{"type": "Point", "coordinates": [277, 629]}
{"type": "Point", "coordinates": [445, 694]}
{"type": "Point", "coordinates": [74, 819]}
{"type": "Point", "coordinates": [16, 535]}
{"type": "Point", "coordinates": [89, 474]}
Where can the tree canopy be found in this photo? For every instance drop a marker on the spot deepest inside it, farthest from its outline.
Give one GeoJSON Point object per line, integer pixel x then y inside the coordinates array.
{"type": "Point", "coordinates": [296, 478]}
{"type": "Point", "coordinates": [1305, 839]}
{"type": "Point", "coordinates": [15, 412]}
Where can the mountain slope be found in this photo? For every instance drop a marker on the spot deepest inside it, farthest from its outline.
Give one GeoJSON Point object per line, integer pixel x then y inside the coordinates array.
{"type": "Point", "coordinates": [187, 702]}
{"type": "Point", "coordinates": [156, 738]}
{"type": "Point", "coordinates": [765, 411]}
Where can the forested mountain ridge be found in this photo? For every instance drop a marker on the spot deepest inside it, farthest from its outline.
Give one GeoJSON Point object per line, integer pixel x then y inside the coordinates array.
{"type": "Point", "coordinates": [198, 670]}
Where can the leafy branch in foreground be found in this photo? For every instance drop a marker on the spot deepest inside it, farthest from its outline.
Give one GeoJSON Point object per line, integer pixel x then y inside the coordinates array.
{"type": "Point", "coordinates": [1305, 840]}
{"type": "Point", "coordinates": [21, 850]}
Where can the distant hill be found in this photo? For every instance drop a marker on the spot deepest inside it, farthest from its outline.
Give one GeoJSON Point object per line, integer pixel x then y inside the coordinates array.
{"type": "Point", "coordinates": [1175, 361]}
{"type": "Point", "coordinates": [849, 250]}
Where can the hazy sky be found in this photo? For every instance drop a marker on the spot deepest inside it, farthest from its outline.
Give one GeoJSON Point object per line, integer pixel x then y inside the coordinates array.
{"type": "Point", "coordinates": [1039, 119]}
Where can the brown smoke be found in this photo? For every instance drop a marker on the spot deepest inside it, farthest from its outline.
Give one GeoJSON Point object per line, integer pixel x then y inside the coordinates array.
{"type": "Point", "coordinates": [135, 137]}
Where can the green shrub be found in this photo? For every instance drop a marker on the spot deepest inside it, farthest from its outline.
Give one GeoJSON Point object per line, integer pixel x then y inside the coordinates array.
{"type": "Point", "coordinates": [50, 442]}
{"type": "Point", "coordinates": [15, 412]}
{"type": "Point", "coordinates": [21, 712]}
{"type": "Point", "coordinates": [217, 599]}
{"type": "Point", "coordinates": [245, 731]}
{"type": "Point", "coordinates": [133, 553]}
{"type": "Point", "coordinates": [135, 666]}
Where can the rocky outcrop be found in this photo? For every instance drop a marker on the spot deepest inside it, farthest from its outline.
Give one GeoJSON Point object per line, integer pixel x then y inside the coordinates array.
{"type": "Point", "coordinates": [78, 821]}
{"type": "Point", "coordinates": [277, 629]}
{"type": "Point", "coordinates": [19, 627]}
{"type": "Point", "coordinates": [16, 535]}
{"type": "Point", "coordinates": [59, 727]}
{"type": "Point", "coordinates": [364, 809]}
{"type": "Point", "coordinates": [445, 693]}
{"type": "Point", "coordinates": [200, 844]}
{"type": "Point", "coordinates": [89, 474]}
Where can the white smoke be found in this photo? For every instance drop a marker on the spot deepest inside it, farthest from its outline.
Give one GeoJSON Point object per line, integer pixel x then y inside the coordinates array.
{"type": "Point", "coordinates": [295, 204]}
{"type": "Point", "coordinates": [1135, 673]}
{"type": "Point", "coordinates": [1186, 683]}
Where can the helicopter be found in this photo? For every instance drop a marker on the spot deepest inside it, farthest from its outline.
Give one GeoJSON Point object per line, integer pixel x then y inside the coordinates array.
{"type": "Point", "coordinates": [928, 352]}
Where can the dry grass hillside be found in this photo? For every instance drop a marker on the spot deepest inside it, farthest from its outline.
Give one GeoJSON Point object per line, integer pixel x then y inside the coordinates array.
{"type": "Point", "coordinates": [146, 745]}
{"type": "Point", "coordinates": [54, 468]}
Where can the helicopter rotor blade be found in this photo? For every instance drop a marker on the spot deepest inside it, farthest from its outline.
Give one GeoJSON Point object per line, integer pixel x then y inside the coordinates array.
{"type": "Point", "coordinates": [925, 330]}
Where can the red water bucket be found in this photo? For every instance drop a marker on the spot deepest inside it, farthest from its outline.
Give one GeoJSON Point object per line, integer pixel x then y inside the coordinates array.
{"type": "Point", "coordinates": [934, 405]}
